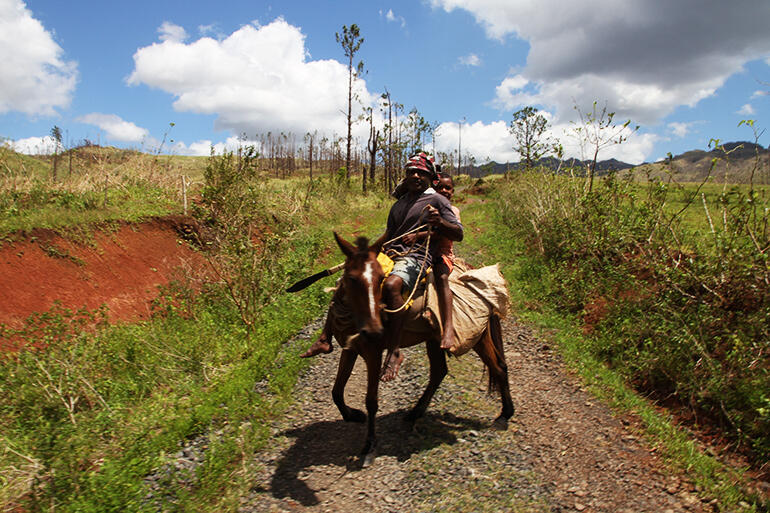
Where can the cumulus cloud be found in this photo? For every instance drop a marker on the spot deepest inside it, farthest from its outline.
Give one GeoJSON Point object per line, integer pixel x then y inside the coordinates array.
{"type": "Point", "coordinates": [36, 79]}
{"type": "Point", "coordinates": [493, 141]}
{"type": "Point", "coordinates": [34, 145]}
{"type": "Point", "coordinates": [680, 129]}
{"type": "Point", "coordinates": [204, 148]}
{"type": "Point", "coordinates": [484, 141]}
{"type": "Point", "coordinates": [115, 128]}
{"type": "Point", "coordinates": [746, 110]}
{"type": "Point", "coordinates": [170, 32]}
{"type": "Point", "coordinates": [470, 60]}
{"type": "Point", "coordinates": [390, 16]}
{"type": "Point", "coordinates": [257, 79]}
{"type": "Point", "coordinates": [643, 58]}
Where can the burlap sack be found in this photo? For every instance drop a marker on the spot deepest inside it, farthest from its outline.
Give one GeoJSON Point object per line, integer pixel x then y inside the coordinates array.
{"type": "Point", "coordinates": [476, 294]}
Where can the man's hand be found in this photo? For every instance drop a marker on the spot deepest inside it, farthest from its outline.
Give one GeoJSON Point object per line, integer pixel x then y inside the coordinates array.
{"type": "Point", "coordinates": [434, 218]}
{"type": "Point", "coordinates": [410, 238]}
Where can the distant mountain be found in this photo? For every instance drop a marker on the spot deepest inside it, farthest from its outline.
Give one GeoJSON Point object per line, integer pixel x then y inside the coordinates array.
{"type": "Point", "coordinates": [602, 167]}
{"type": "Point", "coordinates": [735, 160]}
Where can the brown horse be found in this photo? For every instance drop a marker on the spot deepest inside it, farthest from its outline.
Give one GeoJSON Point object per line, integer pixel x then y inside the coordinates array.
{"type": "Point", "coordinates": [362, 335]}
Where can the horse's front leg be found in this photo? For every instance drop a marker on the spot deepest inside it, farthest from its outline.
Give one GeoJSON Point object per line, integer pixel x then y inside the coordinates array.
{"type": "Point", "coordinates": [347, 360]}
{"type": "Point", "coordinates": [373, 363]}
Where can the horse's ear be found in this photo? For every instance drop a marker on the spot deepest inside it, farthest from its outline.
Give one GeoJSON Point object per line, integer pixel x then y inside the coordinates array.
{"type": "Point", "coordinates": [347, 248]}
{"type": "Point", "coordinates": [377, 246]}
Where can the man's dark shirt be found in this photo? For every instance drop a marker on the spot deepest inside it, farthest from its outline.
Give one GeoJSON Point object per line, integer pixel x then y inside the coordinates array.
{"type": "Point", "coordinates": [409, 212]}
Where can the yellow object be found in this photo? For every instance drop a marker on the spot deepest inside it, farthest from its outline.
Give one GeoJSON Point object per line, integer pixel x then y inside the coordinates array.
{"type": "Point", "coordinates": [386, 263]}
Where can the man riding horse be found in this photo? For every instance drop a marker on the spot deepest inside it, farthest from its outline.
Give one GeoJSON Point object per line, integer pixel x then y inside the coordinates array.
{"type": "Point", "coordinates": [420, 205]}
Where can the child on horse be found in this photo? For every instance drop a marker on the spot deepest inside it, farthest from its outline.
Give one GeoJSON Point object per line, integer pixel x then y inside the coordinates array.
{"type": "Point", "coordinates": [443, 263]}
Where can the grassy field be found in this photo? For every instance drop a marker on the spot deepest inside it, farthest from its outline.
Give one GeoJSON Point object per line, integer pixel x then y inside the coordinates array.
{"type": "Point", "coordinates": [639, 292]}
{"type": "Point", "coordinates": [666, 316]}
{"type": "Point", "coordinates": [95, 185]}
{"type": "Point", "coordinates": [534, 286]}
{"type": "Point", "coordinates": [85, 421]}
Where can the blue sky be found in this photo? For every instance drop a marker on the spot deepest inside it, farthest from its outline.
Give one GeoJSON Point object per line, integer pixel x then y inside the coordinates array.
{"type": "Point", "coordinates": [119, 73]}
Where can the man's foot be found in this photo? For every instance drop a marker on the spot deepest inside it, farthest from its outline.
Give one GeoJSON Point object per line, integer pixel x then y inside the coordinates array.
{"type": "Point", "coordinates": [392, 364]}
{"type": "Point", "coordinates": [319, 346]}
{"type": "Point", "coordinates": [447, 342]}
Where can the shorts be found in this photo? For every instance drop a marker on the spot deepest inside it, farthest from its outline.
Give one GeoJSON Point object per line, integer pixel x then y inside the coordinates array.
{"type": "Point", "coordinates": [408, 269]}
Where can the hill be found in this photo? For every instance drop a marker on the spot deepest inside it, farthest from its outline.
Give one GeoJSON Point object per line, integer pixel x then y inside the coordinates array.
{"type": "Point", "coordinates": [733, 162]}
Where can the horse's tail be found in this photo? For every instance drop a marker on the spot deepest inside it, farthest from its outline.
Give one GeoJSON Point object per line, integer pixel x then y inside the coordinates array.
{"type": "Point", "coordinates": [495, 333]}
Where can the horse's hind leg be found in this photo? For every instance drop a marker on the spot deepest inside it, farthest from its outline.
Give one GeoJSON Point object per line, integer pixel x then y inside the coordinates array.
{"type": "Point", "coordinates": [347, 360]}
{"type": "Point", "coordinates": [438, 370]}
{"type": "Point", "coordinates": [490, 350]}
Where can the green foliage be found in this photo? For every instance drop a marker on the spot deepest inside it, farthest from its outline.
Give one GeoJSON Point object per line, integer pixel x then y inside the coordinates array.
{"type": "Point", "coordinates": [538, 289]}
{"type": "Point", "coordinates": [681, 312]}
{"type": "Point", "coordinates": [97, 408]}
{"type": "Point", "coordinates": [527, 128]}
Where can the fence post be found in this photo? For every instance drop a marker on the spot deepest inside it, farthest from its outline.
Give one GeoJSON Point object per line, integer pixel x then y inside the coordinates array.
{"type": "Point", "coordinates": [184, 193]}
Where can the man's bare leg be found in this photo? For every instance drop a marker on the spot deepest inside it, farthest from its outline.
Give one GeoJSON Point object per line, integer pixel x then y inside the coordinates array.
{"type": "Point", "coordinates": [445, 306]}
{"type": "Point", "coordinates": [323, 343]}
{"type": "Point", "coordinates": [394, 301]}
{"type": "Point", "coordinates": [392, 365]}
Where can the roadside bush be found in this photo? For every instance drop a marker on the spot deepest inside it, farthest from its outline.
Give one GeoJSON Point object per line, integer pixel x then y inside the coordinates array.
{"type": "Point", "coordinates": [672, 285]}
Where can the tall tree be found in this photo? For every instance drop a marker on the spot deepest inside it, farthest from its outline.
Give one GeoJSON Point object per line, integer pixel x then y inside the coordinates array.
{"type": "Point", "coordinates": [371, 145]}
{"type": "Point", "coordinates": [597, 131]}
{"type": "Point", "coordinates": [528, 127]}
{"type": "Point", "coordinates": [350, 40]}
{"type": "Point", "coordinates": [56, 134]}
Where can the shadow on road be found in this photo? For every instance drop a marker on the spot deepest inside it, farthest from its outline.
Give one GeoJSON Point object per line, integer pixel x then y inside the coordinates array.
{"type": "Point", "coordinates": [339, 443]}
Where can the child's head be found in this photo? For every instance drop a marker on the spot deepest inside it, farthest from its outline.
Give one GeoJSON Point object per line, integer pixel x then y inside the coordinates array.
{"type": "Point", "coordinates": [446, 186]}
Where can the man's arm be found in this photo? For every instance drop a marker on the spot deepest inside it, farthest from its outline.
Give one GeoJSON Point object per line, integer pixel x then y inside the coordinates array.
{"type": "Point", "coordinates": [450, 230]}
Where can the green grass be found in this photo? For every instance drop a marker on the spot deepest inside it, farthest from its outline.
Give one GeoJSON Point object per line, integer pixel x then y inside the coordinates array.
{"type": "Point", "coordinates": [105, 184]}
{"type": "Point", "coordinates": [531, 285]}
{"type": "Point", "coordinates": [144, 389]}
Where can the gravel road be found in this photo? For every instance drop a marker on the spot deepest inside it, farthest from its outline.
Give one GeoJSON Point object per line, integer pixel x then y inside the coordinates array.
{"type": "Point", "coordinates": [564, 450]}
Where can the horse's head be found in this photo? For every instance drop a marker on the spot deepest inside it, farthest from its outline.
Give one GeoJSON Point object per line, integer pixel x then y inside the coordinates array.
{"type": "Point", "coordinates": [362, 280]}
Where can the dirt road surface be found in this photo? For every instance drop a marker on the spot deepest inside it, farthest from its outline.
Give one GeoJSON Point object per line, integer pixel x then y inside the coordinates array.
{"type": "Point", "coordinates": [564, 451]}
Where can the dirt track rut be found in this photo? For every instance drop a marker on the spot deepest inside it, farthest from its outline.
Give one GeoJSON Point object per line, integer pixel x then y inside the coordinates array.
{"type": "Point", "coordinates": [564, 451]}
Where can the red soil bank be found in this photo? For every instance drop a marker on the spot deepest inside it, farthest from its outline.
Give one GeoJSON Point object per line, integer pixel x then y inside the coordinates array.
{"type": "Point", "coordinates": [121, 269]}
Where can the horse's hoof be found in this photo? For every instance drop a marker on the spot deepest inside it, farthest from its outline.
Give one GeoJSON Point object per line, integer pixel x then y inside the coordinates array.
{"type": "Point", "coordinates": [500, 424]}
{"type": "Point", "coordinates": [412, 416]}
{"type": "Point", "coordinates": [355, 416]}
{"type": "Point", "coordinates": [368, 459]}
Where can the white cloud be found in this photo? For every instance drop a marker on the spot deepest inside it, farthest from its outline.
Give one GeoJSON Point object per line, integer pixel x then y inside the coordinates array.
{"type": "Point", "coordinates": [390, 16]}
{"type": "Point", "coordinates": [171, 32]}
{"type": "Point", "coordinates": [680, 129]}
{"type": "Point", "coordinates": [206, 30]}
{"type": "Point", "coordinates": [204, 147]}
{"type": "Point", "coordinates": [493, 141]}
{"type": "Point", "coordinates": [746, 110]}
{"type": "Point", "coordinates": [643, 58]}
{"type": "Point", "coordinates": [759, 94]}
{"type": "Point", "coordinates": [470, 60]}
{"type": "Point", "coordinates": [116, 128]}
{"type": "Point", "coordinates": [34, 145]}
{"type": "Point", "coordinates": [255, 80]}
{"type": "Point", "coordinates": [35, 78]}
{"type": "Point", "coordinates": [483, 141]}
